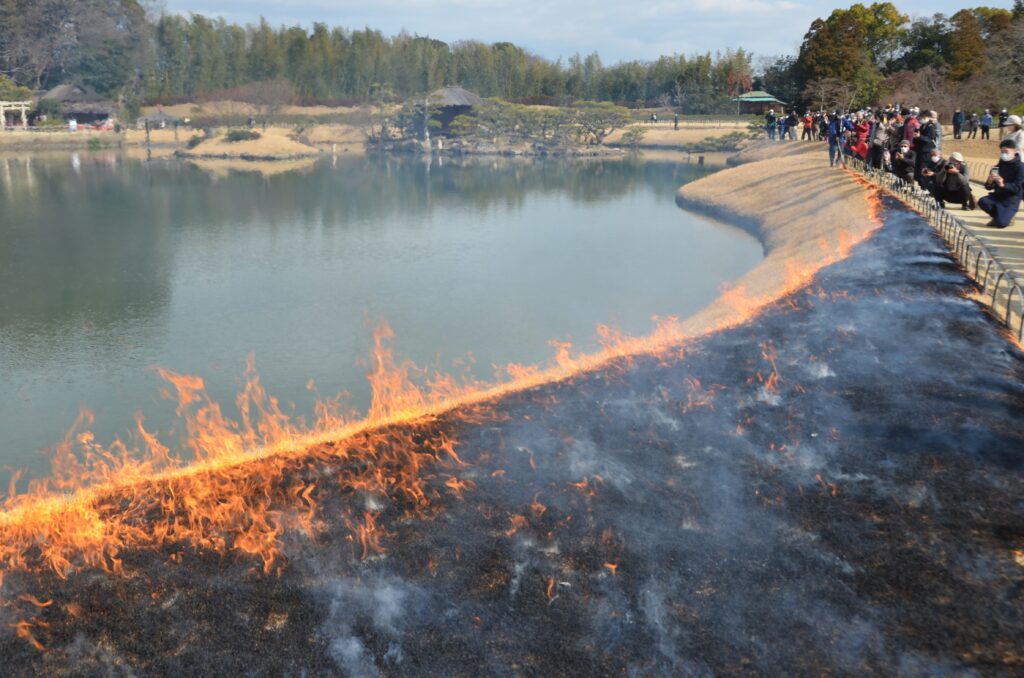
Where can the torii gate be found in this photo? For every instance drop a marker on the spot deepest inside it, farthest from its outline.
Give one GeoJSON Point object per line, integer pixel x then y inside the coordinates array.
{"type": "Point", "coordinates": [23, 106]}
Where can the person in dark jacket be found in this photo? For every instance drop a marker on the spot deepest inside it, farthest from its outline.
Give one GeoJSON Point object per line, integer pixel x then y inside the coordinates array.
{"type": "Point", "coordinates": [903, 162]}
{"type": "Point", "coordinates": [926, 140]}
{"type": "Point", "coordinates": [769, 123]}
{"type": "Point", "coordinates": [932, 165]}
{"type": "Point", "coordinates": [953, 184]}
{"type": "Point", "coordinates": [958, 123]}
{"type": "Point", "coordinates": [1003, 115]}
{"type": "Point", "coordinates": [836, 134]}
{"type": "Point", "coordinates": [1006, 184]}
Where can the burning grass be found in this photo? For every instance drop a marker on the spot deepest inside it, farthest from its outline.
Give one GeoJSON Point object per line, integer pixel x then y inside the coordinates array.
{"type": "Point", "coordinates": [479, 495]}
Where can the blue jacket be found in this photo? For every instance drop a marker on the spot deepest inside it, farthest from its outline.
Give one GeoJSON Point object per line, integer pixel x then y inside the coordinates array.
{"type": "Point", "coordinates": [958, 118]}
{"type": "Point", "coordinates": [986, 120]}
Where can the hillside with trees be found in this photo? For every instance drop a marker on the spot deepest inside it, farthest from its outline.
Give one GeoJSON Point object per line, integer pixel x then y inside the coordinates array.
{"type": "Point", "coordinates": [855, 56]}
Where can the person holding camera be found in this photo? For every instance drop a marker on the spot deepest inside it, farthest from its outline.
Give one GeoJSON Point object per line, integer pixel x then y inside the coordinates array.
{"type": "Point", "coordinates": [1006, 184]}
{"type": "Point", "coordinates": [932, 165]}
{"type": "Point", "coordinates": [952, 183]}
{"type": "Point", "coordinates": [903, 162]}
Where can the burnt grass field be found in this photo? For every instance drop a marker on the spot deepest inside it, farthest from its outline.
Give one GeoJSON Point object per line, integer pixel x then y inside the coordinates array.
{"type": "Point", "coordinates": [834, 488]}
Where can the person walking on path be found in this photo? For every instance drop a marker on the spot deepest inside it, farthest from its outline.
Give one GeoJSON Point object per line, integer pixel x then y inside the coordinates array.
{"type": "Point", "coordinates": [1006, 182]}
{"type": "Point", "coordinates": [1003, 115]}
{"type": "Point", "coordinates": [958, 123]}
{"type": "Point", "coordinates": [835, 136]}
{"type": "Point", "coordinates": [986, 124]}
{"type": "Point", "coordinates": [769, 123]}
{"type": "Point", "coordinates": [972, 126]}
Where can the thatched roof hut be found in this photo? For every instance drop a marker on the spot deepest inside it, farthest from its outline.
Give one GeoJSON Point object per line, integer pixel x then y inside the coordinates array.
{"type": "Point", "coordinates": [450, 102]}
{"type": "Point", "coordinates": [455, 97]}
{"type": "Point", "coordinates": [81, 102]}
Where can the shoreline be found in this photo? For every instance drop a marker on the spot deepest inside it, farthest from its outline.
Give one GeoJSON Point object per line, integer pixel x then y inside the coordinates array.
{"type": "Point", "coordinates": [797, 246]}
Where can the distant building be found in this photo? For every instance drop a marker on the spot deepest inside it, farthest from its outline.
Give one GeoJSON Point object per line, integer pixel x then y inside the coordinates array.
{"type": "Point", "coordinates": [158, 120]}
{"type": "Point", "coordinates": [758, 102]}
{"type": "Point", "coordinates": [82, 103]}
{"type": "Point", "coordinates": [449, 103]}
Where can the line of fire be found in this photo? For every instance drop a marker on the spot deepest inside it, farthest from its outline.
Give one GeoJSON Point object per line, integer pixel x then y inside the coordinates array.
{"type": "Point", "coordinates": [829, 485]}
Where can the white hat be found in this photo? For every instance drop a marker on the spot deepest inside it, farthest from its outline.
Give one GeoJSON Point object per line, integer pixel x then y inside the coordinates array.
{"type": "Point", "coordinates": [956, 156]}
{"type": "Point", "coordinates": [1013, 120]}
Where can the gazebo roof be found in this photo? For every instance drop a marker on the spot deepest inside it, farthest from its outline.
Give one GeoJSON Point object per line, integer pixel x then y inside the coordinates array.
{"type": "Point", "coordinates": [759, 96]}
{"type": "Point", "coordinates": [455, 96]}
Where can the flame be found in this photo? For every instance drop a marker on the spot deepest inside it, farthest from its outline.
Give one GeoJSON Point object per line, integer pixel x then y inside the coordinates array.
{"type": "Point", "coordinates": [235, 485]}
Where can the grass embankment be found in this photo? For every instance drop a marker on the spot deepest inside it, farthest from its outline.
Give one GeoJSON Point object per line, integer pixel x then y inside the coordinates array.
{"type": "Point", "coordinates": [800, 236]}
{"type": "Point", "coordinates": [272, 144]}
{"type": "Point", "coordinates": [663, 135]}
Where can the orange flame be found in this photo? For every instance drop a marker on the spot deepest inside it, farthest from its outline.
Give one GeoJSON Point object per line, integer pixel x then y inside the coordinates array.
{"type": "Point", "coordinates": [231, 487]}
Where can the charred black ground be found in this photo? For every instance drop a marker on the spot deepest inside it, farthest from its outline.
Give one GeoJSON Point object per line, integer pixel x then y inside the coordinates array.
{"type": "Point", "coordinates": [855, 511]}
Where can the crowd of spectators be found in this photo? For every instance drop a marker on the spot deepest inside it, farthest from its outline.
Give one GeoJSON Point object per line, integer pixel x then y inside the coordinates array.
{"type": "Point", "coordinates": [908, 143]}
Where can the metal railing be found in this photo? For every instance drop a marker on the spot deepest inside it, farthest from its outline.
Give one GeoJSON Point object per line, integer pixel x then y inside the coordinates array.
{"type": "Point", "coordinates": [964, 244]}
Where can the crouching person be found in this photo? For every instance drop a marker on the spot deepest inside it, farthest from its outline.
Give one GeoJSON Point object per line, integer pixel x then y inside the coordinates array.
{"type": "Point", "coordinates": [1006, 182]}
{"type": "Point", "coordinates": [903, 162]}
{"type": "Point", "coordinates": [952, 183]}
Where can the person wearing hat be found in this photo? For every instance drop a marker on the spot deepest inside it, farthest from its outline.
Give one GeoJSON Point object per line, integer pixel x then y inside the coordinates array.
{"type": "Point", "coordinates": [1015, 133]}
{"type": "Point", "coordinates": [952, 183]}
{"type": "Point", "coordinates": [1005, 183]}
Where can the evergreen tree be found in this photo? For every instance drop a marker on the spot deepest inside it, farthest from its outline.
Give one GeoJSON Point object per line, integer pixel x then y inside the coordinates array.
{"type": "Point", "coordinates": [966, 47]}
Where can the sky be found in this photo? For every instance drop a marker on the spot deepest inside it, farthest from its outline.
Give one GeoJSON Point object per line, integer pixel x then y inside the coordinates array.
{"type": "Point", "coordinates": [619, 30]}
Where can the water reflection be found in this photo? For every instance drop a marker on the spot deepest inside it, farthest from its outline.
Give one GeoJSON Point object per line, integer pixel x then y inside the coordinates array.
{"type": "Point", "coordinates": [110, 265]}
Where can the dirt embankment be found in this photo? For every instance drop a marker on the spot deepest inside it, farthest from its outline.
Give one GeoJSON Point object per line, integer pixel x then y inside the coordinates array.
{"type": "Point", "coordinates": [272, 144]}
{"type": "Point", "coordinates": [802, 230]}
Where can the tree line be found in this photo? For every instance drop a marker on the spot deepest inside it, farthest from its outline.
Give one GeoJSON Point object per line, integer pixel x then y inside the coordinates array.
{"type": "Point", "coordinates": [119, 49]}
{"type": "Point", "coordinates": [853, 57]}
{"type": "Point", "coordinates": [870, 54]}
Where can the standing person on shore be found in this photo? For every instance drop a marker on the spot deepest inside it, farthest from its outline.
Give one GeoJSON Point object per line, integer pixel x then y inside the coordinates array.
{"type": "Point", "coordinates": [808, 133]}
{"type": "Point", "coordinates": [972, 126]}
{"type": "Point", "coordinates": [1003, 115]}
{"type": "Point", "coordinates": [986, 124]}
{"type": "Point", "coordinates": [835, 133]}
{"type": "Point", "coordinates": [1006, 183]}
{"type": "Point", "coordinates": [1015, 134]}
{"type": "Point", "coordinates": [769, 123]}
{"type": "Point", "coordinates": [879, 136]}
{"type": "Point", "coordinates": [792, 122]}
{"type": "Point", "coordinates": [958, 123]}
{"type": "Point", "coordinates": [925, 141]}
{"type": "Point", "coordinates": [911, 124]}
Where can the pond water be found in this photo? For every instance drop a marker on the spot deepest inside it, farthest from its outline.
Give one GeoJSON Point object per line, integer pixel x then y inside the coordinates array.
{"type": "Point", "coordinates": [110, 266]}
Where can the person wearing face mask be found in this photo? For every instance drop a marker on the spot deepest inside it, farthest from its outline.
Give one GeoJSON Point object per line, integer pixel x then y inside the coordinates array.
{"type": "Point", "coordinates": [1015, 133]}
{"type": "Point", "coordinates": [926, 140]}
{"type": "Point", "coordinates": [952, 183]}
{"type": "Point", "coordinates": [1005, 183]}
{"type": "Point", "coordinates": [932, 165]}
{"type": "Point", "coordinates": [903, 162]}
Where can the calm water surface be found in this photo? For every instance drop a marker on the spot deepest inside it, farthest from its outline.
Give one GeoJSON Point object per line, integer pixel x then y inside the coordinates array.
{"type": "Point", "coordinates": [110, 266]}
